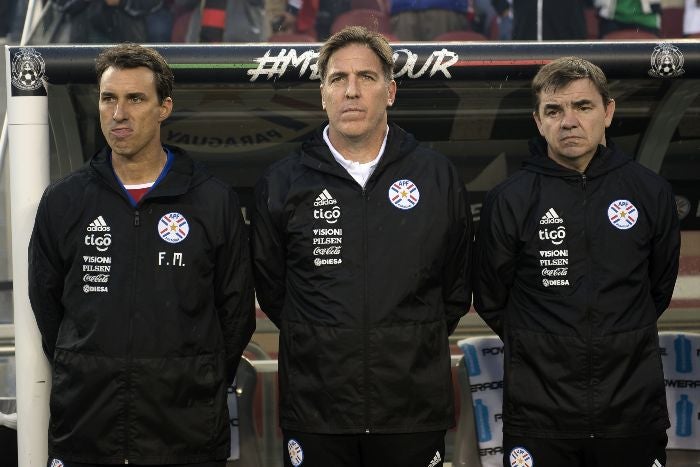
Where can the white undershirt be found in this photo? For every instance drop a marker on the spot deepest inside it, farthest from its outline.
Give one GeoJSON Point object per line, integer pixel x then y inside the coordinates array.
{"type": "Point", "coordinates": [359, 171]}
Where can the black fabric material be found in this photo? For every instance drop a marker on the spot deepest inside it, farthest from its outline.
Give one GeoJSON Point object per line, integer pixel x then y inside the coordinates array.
{"type": "Point", "coordinates": [576, 299]}
{"type": "Point", "coordinates": [144, 335]}
{"type": "Point", "coordinates": [363, 337]}
{"type": "Point", "coordinates": [641, 451]}
{"type": "Point", "coordinates": [364, 450]}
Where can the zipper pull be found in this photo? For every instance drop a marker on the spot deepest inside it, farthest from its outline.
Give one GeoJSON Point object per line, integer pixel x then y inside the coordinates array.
{"type": "Point", "coordinates": [137, 221]}
{"type": "Point", "coordinates": [583, 180]}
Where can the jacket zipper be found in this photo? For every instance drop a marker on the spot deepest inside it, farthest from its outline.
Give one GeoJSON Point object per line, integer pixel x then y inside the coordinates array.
{"type": "Point", "coordinates": [365, 311]}
{"type": "Point", "coordinates": [129, 359]}
{"type": "Point", "coordinates": [589, 316]}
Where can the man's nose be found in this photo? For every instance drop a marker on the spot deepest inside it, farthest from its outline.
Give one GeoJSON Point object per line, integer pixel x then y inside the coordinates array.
{"type": "Point", "coordinates": [569, 119]}
{"type": "Point", "coordinates": [352, 90]}
{"type": "Point", "coordinates": [118, 114]}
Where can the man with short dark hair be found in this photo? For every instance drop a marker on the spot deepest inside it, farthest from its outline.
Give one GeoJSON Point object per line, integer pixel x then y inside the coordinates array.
{"type": "Point", "coordinates": [577, 256]}
{"type": "Point", "coordinates": [140, 281]}
{"type": "Point", "coordinates": [361, 244]}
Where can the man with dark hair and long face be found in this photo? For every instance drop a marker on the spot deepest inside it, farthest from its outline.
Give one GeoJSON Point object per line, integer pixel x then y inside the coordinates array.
{"type": "Point", "coordinates": [140, 281]}
{"type": "Point", "coordinates": [361, 243]}
{"type": "Point", "coordinates": [577, 256]}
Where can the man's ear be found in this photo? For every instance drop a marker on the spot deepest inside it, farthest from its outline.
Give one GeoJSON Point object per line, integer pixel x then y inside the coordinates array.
{"type": "Point", "coordinates": [166, 108]}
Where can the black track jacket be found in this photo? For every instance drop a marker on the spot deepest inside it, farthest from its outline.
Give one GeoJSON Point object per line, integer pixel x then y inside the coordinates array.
{"type": "Point", "coordinates": [574, 270]}
{"type": "Point", "coordinates": [365, 286]}
{"type": "Point", "coordinates": [144, 313]}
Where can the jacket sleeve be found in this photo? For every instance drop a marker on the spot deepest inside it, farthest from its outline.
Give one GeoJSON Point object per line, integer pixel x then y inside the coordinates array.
{"type": "Point", "coordinates": [233, 288]}
{"type": "Point", "coordinates": [457, 292]}
{"type": "Point", "coordinates": [494, 263]}
{"type": "Point", "coordinates": [269, 256]}
{"type": "Point", "coordinates": [665, 251]}
{"type": "Point", "coordinates": [46, 277]}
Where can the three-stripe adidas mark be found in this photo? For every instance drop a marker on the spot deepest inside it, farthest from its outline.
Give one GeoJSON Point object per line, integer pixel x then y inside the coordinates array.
{"type": "Point", "coordinates": [325, 199]}
{"type": "Point", "coordinates": [98, 225]}
{"type": "Point", "coordinates": [551, 217]}
{"type": "Point", "coordinates": [436, 459]}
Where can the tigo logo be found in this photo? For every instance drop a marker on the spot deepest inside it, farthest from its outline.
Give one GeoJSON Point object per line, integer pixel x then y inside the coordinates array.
{"type": "Point", "coordinates": [551, 217]}
{"type": "Point", "coordinates": [98, 225]}
{"type": "Point", "coordinates": [325, 199]}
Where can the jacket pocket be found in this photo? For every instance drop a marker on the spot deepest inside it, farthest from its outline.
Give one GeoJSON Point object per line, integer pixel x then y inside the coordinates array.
{"type": "Point", "coordinates": [87, 405]}
{"type": "Point", "coordinates": [181, 403]}
{"type": "Point", "coordinates": [631, 397]}
{"type": "Point", "coordinates": [545, 383]}
{"type": "Point", "coordinates": [321, 377]}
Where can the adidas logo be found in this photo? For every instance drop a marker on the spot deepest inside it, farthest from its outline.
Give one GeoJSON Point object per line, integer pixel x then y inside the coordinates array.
{"type": "Point", "coordinates": [324, 199]}
{"type": "Point", "coordinates": [657, 463]}
{"type": "Point", "coordinates": [98, 225]}
{"type": "Point", "coordinates": [551, 217]}
{"type": "Point", "coordinates": [436, 459]}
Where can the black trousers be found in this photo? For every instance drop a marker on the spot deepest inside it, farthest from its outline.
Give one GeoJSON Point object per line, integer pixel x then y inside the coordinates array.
{"type": "Point", "coordinates": [643, 451]}
{"type": "Point", "coordinates": [61, 463]}
{"type": "Point", "coordinates": [364, 450]}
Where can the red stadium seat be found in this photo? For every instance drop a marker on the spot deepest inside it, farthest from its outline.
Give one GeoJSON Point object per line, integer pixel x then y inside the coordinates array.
{"type": "Point", "coordinates": [290, 37]}
{"type": "Point", "coordinates": [460, 36]}
{"type": "Point", "coordinates": [373, 20]}
{"type": "Point", "coordinates": [591, 15]}
{"type": "Point", "coordinates": [672, 23]}
{"type": "Point", "coordinates": [629, 34]}
{"type": "Point", "coordinates": [367, 5]}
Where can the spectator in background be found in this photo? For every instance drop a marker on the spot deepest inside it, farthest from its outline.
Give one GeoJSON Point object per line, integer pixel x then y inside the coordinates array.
{"type": "Point", "coordinates": [312, 17]}
{"type": "Point", "coordinates": [159, 24]}
{"type": "Point", "coordinates": [97, 21]}
{"type": "Point", "coordinates": [691, 17]}
{"type": "Point", "coordinates": [629, 14]}
{"type": "Point", "coordinates": [228, 21]}
{"type": "Point", "coordinates": [504, 10]}
{"type": "Point", "coordinates": [555, 20]}
{"type": "Point", "coordinates": [413, 20]}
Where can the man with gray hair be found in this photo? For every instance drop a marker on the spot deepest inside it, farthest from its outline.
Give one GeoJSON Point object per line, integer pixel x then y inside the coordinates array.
{"type": "Point", "coordinates": [361, 243]}
{"type": "Point", "coordinates": [577, 256]}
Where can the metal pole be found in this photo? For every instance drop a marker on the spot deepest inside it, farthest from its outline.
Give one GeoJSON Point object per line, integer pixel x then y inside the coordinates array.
{"type": "Point", "coordinates": [28, 125]}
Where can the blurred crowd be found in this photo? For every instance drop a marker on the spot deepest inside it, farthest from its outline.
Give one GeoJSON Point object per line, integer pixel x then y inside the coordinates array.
{"type": "Point", "coordinates": [203, 21]}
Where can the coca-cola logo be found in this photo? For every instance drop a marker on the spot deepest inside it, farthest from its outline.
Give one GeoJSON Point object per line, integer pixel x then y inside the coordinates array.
{"type": "Point", "coordinates": [102, 278]}
{"type": "Point", "coordinates": [324, 251]}
{"type": "Point", "coordinates": [554, 272]}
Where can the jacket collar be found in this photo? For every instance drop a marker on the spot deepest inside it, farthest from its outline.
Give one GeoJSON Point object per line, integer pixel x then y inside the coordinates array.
{"type": "Point", "coordinates": [179, 179]}
{"type": "Point", "coordinates": [605, 159]}
{"type": "Point", "coordinates": [315, 153]}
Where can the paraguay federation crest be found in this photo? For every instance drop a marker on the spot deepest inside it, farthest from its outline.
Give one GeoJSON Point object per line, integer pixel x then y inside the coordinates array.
{"type": "Point", "coordinates": [622, 214]}
{"type": "Point", "coordinates": [404, 194]}
{"type": "Point", "coordinates": [28, 69]}
{"type": "Point", "coordinates": [296, 454]}
{"type": "Point", "coordinates": [519, 457]}
{"type": "Point", "coordinates": [173, 227]}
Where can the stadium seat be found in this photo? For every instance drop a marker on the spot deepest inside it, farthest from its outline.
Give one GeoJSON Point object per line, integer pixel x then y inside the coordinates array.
{"type": "Point", "coordinates": [629, 34]}
{"type": "Point", "coordinates": [241, 402]}
{"type": "Point", "coordinates": [367, 5]}
{"type": "Point", "coordinates": [591, 15]}
{"type": "Point", "coordinates": [460, 36]}
{"type": "Point", "coordinates": [373, 20]}
{"type": "Point", "coordinates": [478, 432]}
{"type": "Point", "coordinates": [680, 355]}
{"type": "Point", "coordinates": [290, 37]}
{"type": "Point", "coordinates": [672, 23]}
